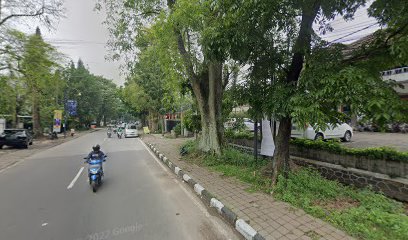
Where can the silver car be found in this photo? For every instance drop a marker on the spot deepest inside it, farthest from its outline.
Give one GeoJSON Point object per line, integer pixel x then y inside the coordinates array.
{"type": "Point", "coordinates": [131, 131]}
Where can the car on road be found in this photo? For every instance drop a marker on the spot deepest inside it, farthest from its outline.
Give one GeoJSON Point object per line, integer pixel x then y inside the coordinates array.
{"type": "Point", "coordinates": [341, 131]}
{"type": "Point", "coordinates": [16, 138]}
{"type": "Point", "coordinates": [131, 131]}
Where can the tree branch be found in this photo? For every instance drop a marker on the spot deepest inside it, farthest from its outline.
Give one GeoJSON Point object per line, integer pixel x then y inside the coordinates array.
{"type": "Point", "coordinates": [185, 56]}
{"type": "Point", "coordinates": [38, 13]}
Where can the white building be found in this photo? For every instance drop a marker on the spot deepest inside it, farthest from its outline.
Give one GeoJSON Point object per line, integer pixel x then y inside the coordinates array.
{"type": "Point", "coordinates": [400, 75]}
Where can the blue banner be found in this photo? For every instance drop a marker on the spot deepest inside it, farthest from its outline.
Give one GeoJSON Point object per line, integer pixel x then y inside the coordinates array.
{"type": "Point", "coordinates": [72, 107]}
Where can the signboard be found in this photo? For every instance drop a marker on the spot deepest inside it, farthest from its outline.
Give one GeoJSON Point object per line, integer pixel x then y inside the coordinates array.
{"type": "Point", "coordinates": [2, 125]}
{"type": "Point", "coordinates": [146, 130]}
{"type": "Point", "coordinates": [72, 107]}
{"type": "Point", "coordinates": [57, 121]}
{"type": "Point", "coordinates": [267, 144]}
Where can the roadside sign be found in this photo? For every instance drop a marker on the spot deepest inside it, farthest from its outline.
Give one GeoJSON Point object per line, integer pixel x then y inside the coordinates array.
{"type": "Point", "coordinates": [57, 121]}
{"type": "Point", "coordinates": [72, 107]}
{"type": "Point", "coordinates": [2, 124]}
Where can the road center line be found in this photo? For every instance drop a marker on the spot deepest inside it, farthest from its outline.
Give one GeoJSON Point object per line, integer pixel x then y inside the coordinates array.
{"type": "Point", "coordinates": [75, 178]}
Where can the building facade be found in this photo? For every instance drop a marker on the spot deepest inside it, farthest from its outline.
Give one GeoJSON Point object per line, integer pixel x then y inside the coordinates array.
{"type": "Point", "coordinates": [400, 75]}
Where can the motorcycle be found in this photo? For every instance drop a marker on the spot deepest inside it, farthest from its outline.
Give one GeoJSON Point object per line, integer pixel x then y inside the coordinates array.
{"type": "Point", "coordinates": [120, 135]}
{"type": "Point", "coordinates": [109, 134]}
{"type": "Point", "coordinates": [95, 171]}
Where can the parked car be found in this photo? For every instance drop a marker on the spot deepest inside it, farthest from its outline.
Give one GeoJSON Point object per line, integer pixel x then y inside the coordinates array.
{"type": "Point", "coordinates": [131, 131]}
{"type": "Point", "coordinates": [16, 138]}
{"type": "Point", "coordinates": [338, 131]}
{"type": "Point", "coordinates": [250, 124]}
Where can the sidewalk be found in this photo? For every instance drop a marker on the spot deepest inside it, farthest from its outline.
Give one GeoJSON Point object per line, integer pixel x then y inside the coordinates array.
{"type": "Point", "coordinates": [271, 218]}
{"type": "Point", "coordinates": [11, 156]}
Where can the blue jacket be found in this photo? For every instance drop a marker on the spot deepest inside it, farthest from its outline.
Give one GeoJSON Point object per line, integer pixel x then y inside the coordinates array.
{"type": "Point", "coordinates": [96, 155]}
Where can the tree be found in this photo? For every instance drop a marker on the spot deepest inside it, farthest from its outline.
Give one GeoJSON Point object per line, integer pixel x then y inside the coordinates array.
{"type": "Point", "coordinates": [182, 27]}
{"type": "Point", "coordinates": [13, 92]}
{"type": "Point", "coordinates": [309, 78]}
{"type": "Point", "coordinates": [277, 40]}
{"type": "Point", "coordinates": [97, 97]}
{"type": "Point", "coordinates": [38, 64]}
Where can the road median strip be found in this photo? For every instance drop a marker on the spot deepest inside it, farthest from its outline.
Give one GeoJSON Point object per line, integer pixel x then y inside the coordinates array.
{"type": "Point", "coordinates": [209, 200]}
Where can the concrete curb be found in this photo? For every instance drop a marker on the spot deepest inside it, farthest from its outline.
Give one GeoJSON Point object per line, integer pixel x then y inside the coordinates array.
{"type": "Point", "coordinates": [208, 199]}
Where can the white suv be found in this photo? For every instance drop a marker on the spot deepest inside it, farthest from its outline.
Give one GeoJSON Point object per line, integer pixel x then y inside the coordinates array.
{"type": "Point", "coordinates": [339, 131]}
{"type": "Point", "coordinates": [131, 131]}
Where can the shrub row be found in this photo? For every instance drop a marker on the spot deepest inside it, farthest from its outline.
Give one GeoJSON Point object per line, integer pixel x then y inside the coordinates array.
{"type": "Point", "coordinates": [383, 153]}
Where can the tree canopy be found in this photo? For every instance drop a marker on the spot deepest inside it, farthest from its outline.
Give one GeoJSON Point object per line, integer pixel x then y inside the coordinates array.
{"type": "Point", "coordinates": [291, 73]}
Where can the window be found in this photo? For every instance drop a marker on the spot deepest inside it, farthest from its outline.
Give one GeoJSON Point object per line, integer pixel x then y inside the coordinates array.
{"type": "Point", "coordinates": [398, 71]}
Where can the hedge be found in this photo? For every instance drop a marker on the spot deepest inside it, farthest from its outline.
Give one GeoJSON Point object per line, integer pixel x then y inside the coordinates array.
{"type": "Point", "coordinates": [383, 153]}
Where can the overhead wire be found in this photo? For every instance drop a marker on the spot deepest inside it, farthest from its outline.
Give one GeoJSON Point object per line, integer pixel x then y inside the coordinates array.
{"type": "Point", "coordinates": [352, 33]}
{"type": "Point", "coordinates": [345, 30]}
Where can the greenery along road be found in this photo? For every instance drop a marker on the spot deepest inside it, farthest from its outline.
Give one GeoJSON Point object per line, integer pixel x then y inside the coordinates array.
{"type": "Point", "coordinates": [35, 82]}
{"type": "Point", "coordinates": [359, 212]}
{"type": "Point", "coordinates": [198, 48]}
{"type": "Point", "coordinates": [189, 54]}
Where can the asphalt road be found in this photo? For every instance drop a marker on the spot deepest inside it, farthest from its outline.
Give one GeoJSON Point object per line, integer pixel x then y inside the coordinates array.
{"type": "Point", "coordinates": [41, 198]}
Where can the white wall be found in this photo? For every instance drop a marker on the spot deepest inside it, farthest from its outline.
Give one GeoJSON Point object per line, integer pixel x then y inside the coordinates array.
{"type": "Point", "coordinates": [2, 124]}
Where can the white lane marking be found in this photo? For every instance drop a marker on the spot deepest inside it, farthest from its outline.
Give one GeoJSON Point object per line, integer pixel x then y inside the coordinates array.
{"type": "Point", "coordinates": [193, 198]}
{"type": "Point", "coordinates": [44, 224]}
{"type": "Point", "coordinates": [75, 178]}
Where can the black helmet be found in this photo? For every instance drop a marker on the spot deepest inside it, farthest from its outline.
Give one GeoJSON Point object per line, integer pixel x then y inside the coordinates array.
{"type": "Point", "coordinates": [96, 148]}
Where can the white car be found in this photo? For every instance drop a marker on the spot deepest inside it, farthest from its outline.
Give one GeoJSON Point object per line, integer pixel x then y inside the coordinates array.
{"type": "Point", "coordinates": [131, 131]}
{"type": "Point", "coordinates": [250, 124]}
{"type": "Point", "coordinates": [334, 131]}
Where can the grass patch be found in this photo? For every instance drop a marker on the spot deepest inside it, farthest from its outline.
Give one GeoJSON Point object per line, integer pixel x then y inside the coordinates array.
{"type": "Point", "coordinates": [362, 213]}
{"type": "Point", "coordinates": [232, 163]}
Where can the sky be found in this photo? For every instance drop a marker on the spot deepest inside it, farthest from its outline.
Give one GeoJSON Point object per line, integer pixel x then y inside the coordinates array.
{"type": "Point", "coordinates": [350, 31]}
{"type": "Point", "coordinates": [82, 35]}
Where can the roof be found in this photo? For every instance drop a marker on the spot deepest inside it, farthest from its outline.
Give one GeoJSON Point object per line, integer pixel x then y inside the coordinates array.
{"type": "Point", "coordinates": [364, 41]}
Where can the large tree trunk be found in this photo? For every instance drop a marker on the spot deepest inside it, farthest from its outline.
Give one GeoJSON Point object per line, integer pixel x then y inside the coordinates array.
{"type": "Point", "coordinates": [208, 89]}
{"type": "Point", "coordinates": [36, 116]}
{"type": "Point", "coordinates": [155, 122]}
{"type": "Point", "coordinates": [208, 92]}
{"type": "Point", "coordinates": [301, 48]}
{"type": "Point", "coordinates": [150, 121]}
{"type": "Point", "coordinates": [14, 117]}
{"type": "Point", "coordinates": [281, 164]}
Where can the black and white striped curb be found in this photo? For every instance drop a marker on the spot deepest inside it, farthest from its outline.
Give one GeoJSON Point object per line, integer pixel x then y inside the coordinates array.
{"type": "Point", "coordinates": [208, 199]}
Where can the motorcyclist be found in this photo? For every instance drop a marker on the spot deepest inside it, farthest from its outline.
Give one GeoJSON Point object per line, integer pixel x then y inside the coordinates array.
{"type": "Point", "coordinates": [109, 131]}
{"type": "Point", "coordinates": [96, 153]}
{"type": "Point", "coordinates": [120, 131]}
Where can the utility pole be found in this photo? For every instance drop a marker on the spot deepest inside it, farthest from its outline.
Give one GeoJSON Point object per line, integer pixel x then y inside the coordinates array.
{"type": "Point", "coordinates": [65, 112]}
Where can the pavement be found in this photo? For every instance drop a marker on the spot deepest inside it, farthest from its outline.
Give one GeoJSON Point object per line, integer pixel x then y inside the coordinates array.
{"type": "Point", "coordinates": [46, 196]}
{"type": "Point", "coordinates": [271, 218]}
{"type": "Point", "coordinates": [398, 141]}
